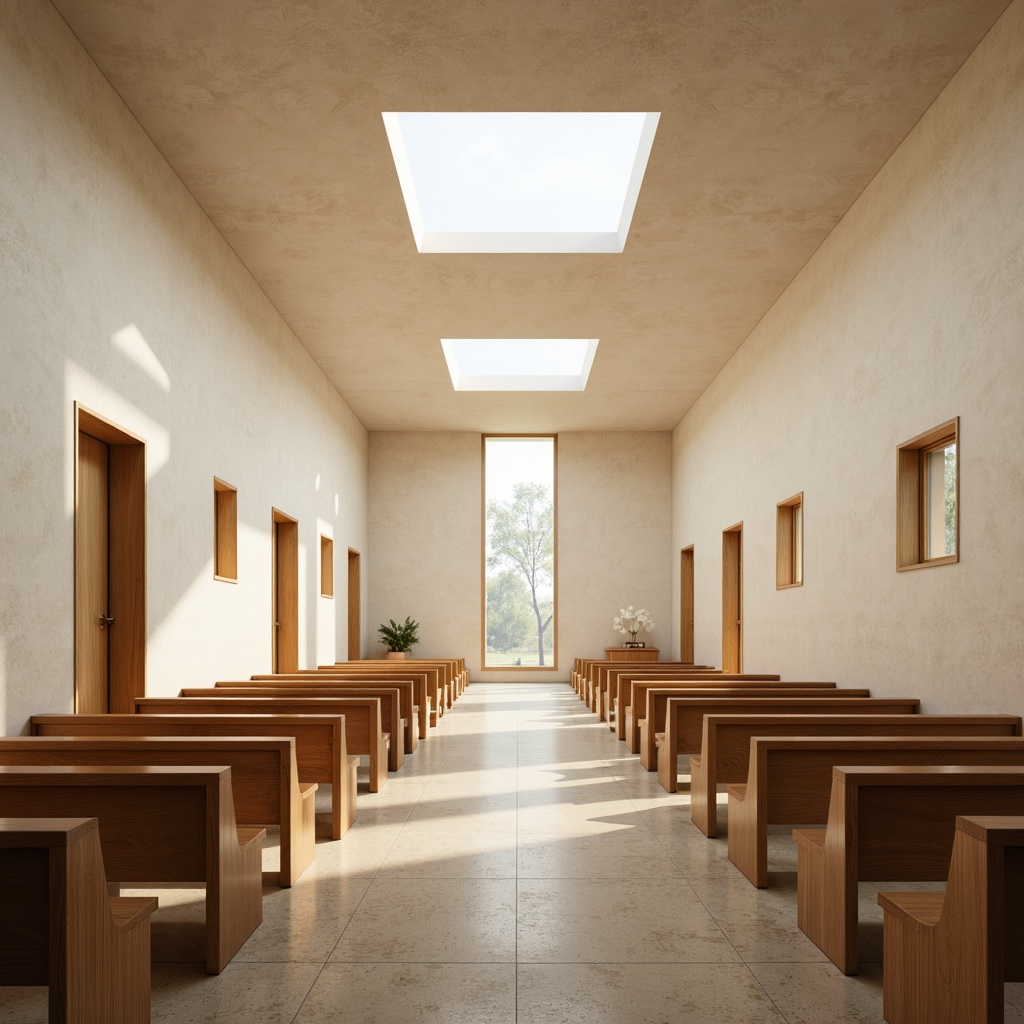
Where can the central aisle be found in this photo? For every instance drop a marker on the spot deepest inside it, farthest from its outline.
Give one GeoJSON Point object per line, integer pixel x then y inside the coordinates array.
{"type": "Point", "coordinates": [523, 867]}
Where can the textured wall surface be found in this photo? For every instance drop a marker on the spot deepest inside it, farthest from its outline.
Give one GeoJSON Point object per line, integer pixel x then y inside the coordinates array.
{"type": "Point", "coordinates": [425, 537]}
{"type": "Point", "coordinates": [911, 313]}
{"type": "Point", "coordinates": [614, 511]}
{"type": "Point", "coordinates": [613, 535]}
{"type": "Point", "coordinates": [117, 292]}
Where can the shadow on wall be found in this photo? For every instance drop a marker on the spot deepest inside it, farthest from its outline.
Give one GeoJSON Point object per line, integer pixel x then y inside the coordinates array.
{"type": "Point", "coordinates": [192, 562]}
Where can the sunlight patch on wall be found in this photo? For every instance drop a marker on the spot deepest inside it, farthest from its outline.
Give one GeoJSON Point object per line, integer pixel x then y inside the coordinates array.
{"type": "Point", "coordinates": [130, 342]}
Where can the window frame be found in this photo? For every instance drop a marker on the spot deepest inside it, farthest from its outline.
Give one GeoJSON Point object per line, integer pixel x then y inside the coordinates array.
{"type": "Point", "coordinates": [225, 531]}
{"type": "Point", "coordinates": [787, 549]}
{"type": "Point", "coordinates": [911, 496]}
{"type": "Point", "coordinates": [326, 566]}
{"type": "Point", "coordinates": [484, 667]}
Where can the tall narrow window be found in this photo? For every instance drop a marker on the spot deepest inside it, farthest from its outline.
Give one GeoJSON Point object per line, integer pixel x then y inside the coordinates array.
{"type": "Point", "coordinates": [519, 552]}
{"type": "Point", "coordinates": [789, 542]}
{"type": "Point", "coordinates": [927, 498]}
{"type": "Point", "coordinates": [225, 531]}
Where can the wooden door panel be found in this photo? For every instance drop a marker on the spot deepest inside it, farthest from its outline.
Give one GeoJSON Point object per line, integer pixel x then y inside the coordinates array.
{"type": "Point", "coordinates": [355, 628]}
{"type": "Point", "coordinates": [732, 600]}
{"type": "Point", "coordinates": [286, 596]}
{"type": "Point", "coordinates": [686, 605]}
{"type": "Point", "coordinates": [92, 645]}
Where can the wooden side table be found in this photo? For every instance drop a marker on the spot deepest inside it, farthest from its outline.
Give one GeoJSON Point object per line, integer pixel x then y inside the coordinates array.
{"type": "Point", "coordinates": [632, 653]}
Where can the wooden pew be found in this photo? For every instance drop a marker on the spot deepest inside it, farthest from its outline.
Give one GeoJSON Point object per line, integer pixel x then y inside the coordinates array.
{"type": "Point", "coordinates": [725, 745]}
{"type": "Point", "coordinates": [594, 676]}
{"type": "Point", "coordinates": [364, 734]}
{"type": "Point", "coordinates": [634, 706]}
{"type": "Point", "coordinates": [654, 704]}
{"type": "Point", "coordinates": [578, 676]}
{"type": "Point", "coordinates": [393, 725]}
{"type": "Point", "coordinates": [265, 785]}
{"type": "Point", "coordinates": [790, 780]}
{"type": "Point", "coordinates": [58, 926]}
{"type": "Point", "coordinates": [321, 752]}
{"type": "Point", "coordinates": [415, 696]}
{"type": "Point", "coordinates": [447, 681]}
{"type": "Point", "coordinates": [595, 682]}
{"type": "Point", "coordinates": [435, 685]}
{"type": "Point", "coordinates": [608, 676]}
{"type": "Point", "coordinates": [686, 719]}
{"type": "Point", "coordinates": [887, 823]}
{"type": "Point", "coordinates": [156, 825]}
{"type": "Point", "coordinates": [947, 954]}
{"type": "Point", "coordinates": [620, 691]}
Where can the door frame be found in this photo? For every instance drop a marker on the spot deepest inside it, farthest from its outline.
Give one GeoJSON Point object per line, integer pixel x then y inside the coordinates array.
{"type": "Point", "coordinates": [126, 678]}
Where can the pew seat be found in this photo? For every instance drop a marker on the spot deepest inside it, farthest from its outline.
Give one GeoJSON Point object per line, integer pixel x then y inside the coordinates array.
{"type": "Point", "coordinates": [947, 954]}
{"type": "Point", "coordinates": [60, 928]}
{"type": "Point", "coordinates": [888, 823]}
{"type": "Point", "coordinates": [789, 780]}
{"type": "Point", "coordinates": [158, 825]}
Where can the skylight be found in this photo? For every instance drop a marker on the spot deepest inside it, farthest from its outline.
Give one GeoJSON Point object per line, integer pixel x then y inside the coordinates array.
{"type": "Point", "coordinates": [520, 182]}
{"type": "Point", "coordinates": [519, 364]}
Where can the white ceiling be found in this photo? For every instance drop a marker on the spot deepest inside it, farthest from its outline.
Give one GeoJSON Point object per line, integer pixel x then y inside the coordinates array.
{"type": "Point", "coordinates": [775, 114]}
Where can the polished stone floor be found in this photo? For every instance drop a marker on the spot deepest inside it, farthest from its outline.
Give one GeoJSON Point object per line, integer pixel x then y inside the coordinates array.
{"type": "Point", "coordinates": [521, 867]}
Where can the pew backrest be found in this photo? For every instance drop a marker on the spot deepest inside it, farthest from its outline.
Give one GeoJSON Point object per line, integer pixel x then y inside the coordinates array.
{"type": "Point", "coordinates": [321, 751]}
{"type": "Point", "coordinates": [364, 734]}
{"type": "Point", "coordinates": [725, 744]}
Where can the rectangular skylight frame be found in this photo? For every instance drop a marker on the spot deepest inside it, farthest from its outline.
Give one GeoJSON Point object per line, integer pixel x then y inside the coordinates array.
{"type": "Point", "coordinates": [518, 364]}
{"type": "Point", "coordinates": [433, 238]}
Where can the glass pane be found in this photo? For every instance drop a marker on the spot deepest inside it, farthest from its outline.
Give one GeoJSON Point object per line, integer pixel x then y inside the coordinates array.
{"type": "Point", "coordinates": [940, 502]}
{"type": "Point", "coordinates": [798, 543]}
{"type": "Point", "coordinates": [519, 488]}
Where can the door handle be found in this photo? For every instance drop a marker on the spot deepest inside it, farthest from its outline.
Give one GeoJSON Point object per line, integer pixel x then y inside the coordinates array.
{"type": "Point", "coordinates": [106, 620]}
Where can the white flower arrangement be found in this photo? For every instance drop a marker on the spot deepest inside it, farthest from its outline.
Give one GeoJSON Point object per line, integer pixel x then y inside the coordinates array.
{"type": "Point", "coordinates": [632, 620]}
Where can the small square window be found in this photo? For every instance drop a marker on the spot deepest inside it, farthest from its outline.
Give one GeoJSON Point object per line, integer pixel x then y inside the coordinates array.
{"type": "Point", "coordinates": [928, 498]}
{"type": "Point", "coordinates": [225, 532]}
{"type": "Point", "coordinates": [326, 566]}
{"type": "Point", "coordinates": [789, 546]}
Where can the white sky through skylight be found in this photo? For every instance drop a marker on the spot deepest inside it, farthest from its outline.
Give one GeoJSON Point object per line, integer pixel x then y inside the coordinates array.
{"type": "Point", "coordinates": [520, 182]}
{"type": "Point", "coordinates": [519, 364]}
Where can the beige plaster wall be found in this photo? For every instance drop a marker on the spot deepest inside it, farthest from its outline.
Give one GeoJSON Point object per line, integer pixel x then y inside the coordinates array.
{"type": "Point", "coordinates": [117, 292]}
{"type": "Point", "coordinates": [613, 536]}
{"type": "Point", "coordinates": [912, 312]}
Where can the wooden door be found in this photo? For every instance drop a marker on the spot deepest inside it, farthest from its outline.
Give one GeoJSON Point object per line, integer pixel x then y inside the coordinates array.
{"type": "Point", "coordinates": [286, 594]}
{"type": "Point", "coordinates": [732, 599]}
{"type": "Point", "coordinates": [92, 577]}
{"type": "Point", "coordinates": [355, 622]}
{"type": "Point", "coordinates": [686, 604]}
{"type": "Point", "coordinates": [110, 566]}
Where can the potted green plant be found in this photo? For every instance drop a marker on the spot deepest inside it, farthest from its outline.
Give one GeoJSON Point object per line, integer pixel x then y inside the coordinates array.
{"type": "Point", "coordinates": [399, 637]}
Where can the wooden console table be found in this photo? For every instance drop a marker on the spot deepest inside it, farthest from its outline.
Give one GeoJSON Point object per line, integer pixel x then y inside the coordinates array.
{"type": "Point", "coordinates": [632, 653]}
